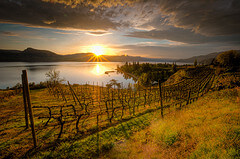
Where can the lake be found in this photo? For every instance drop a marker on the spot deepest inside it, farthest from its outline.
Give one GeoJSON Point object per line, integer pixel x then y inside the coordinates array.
{"type": "Point", "coordinates": [74, 72]}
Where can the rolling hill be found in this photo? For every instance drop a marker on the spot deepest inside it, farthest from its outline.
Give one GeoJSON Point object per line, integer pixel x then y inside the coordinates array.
{"type": "Point", "coordinates": [202, 59]}
{"type": "Point", "coordinates": [35, 55]}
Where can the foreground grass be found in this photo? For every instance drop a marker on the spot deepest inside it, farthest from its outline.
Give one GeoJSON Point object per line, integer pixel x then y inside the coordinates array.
{"type": "Point", "coordinates": [208, 128]}
{"type": "Point", "coordinates": [16, 141]}
{"type": "Point", "coordinates": [93, 145]}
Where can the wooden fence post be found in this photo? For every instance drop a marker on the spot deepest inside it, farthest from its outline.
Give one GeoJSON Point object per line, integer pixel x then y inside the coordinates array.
{"type": "Point", "coordinates": [25, 102]}
{"type": "Point", "coordinates": [98, 149]}
{"type": "Point", "coordinates": [24, 72]}
{"type": "Point", "coordinates": [189, 95]}
{"type": "Point", "coordinates": [160, 93]}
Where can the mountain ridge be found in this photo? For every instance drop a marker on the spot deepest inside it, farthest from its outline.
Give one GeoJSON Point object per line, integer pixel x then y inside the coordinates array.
{"type": "Point", "coordinates": [202, 59]}
{"type": "Point", "coordinates": [36, 55]}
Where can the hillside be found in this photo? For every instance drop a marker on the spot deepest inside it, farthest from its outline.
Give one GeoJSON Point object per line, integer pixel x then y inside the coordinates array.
{"type": "Point", "coordinates": [28, 55]}
{"type": "Point", "coordinates": [34, 55]}
{"type": "Point", "coordinates": [208, 128]}
{"type": "Point", "coordinates": [98, 124]}
{"type": "Point", "coordinates": [202, 59]}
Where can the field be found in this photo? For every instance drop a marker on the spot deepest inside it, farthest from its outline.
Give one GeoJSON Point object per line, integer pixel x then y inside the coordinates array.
{"type": "Point", "coordinates": [87, 120]}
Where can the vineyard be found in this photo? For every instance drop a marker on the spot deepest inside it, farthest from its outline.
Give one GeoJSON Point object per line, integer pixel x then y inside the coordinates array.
{"type": "Point", "coordinates": [69, 112]}
{"type": "Point", "coordinates": [86, 109]}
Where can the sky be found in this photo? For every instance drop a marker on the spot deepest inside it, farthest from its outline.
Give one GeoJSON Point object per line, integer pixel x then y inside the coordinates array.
{"type": "Point", "coordinates": [149, 28]}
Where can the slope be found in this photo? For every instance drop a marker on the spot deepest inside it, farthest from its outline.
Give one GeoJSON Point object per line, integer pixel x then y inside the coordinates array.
{"type": "Point", "coordinates": [202, 59]}
{"type": "Point", "coordinates": [208, 128]}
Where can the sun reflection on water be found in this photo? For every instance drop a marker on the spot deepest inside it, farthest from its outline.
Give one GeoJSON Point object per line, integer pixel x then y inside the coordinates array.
{"type": "Point", "coordinates": [99, 70]}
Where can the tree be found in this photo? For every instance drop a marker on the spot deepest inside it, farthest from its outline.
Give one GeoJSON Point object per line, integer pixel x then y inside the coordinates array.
{"type": "Point", "coordinates": [54, 77]}
{"type": "Point", "coordinates": [113, 82]}
{"type": "Point", "coordinates": [174, 67]}
{"type": "Point", "coordinates": [195, 62]}
{"type": "Point", "coordinates": [228, 59]}
{"type": "Point", "coordinates": [144, 79]}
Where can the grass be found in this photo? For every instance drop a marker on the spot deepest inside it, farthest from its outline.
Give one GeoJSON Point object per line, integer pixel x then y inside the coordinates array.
{"type": "Point", "coordinates": [208, 128]}
{"type": "Point", "coordinates": [16, 141]}
{"type": "Point", "coordinates": [88, 147]}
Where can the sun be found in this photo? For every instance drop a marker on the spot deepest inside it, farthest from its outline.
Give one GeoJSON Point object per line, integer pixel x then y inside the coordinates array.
{"type": "Point", "coordinates": [98, 50]}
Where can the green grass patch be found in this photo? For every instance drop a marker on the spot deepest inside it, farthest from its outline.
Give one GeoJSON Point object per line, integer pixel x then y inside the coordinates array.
{"type": "Point", "coordinates": [93, 145]}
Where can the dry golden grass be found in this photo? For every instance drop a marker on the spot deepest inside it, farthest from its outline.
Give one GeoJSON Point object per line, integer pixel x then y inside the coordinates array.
{"type": "Point", "coordinates": [208, 128]}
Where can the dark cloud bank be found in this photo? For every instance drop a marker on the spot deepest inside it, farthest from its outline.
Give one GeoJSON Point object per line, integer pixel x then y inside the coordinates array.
{"type": "Point", "coordinates": [215, 17]}
{"type": "Point", "coordinates": [53, 15]}
{"type": "Point", "coordinates": [185, 36]}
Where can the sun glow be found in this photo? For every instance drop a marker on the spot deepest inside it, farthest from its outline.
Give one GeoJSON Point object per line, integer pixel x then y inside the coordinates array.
{"type": "Point", "coordinates": [98, 50]}
{"type": "Point", "coordinates": [98, 70]}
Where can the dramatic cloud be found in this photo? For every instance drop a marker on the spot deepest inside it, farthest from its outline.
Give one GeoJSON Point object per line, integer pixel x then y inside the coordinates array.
{"type": "Point", "coordinates": [138, 15]}
{"type": "Point", "coordinates": [43, 14]}
{"type": "Point", "coordinates": [215, 17]}
{"type": "Point", "coordinates": [211, 18]}
{"type": "Point", "coordinates": [98, 33]}
{"type": "Point", "coordinates": [25, 35]}
{"type": "Point", "coordinates": [154, 27]}
{"type": "Point", "coordinates": [174, 52]}
{"type": "Point", "coordinates": [184, 36]}
{"type": "Point", "coordinates": [64, 33]}
{"type": "Point", "coordinates": [8, 33]}
{"type": "Point", "coordinates": [95, 3]}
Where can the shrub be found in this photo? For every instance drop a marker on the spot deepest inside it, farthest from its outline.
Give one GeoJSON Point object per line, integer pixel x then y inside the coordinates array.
{"type": "Point", "coordinates": [227, 80]}
{"type": "Point", "coordinates": [229, 59]}
{"type": "Point", "coordinates": [54, 77]}
{"type": "Point", "coordinates": [167, 134]}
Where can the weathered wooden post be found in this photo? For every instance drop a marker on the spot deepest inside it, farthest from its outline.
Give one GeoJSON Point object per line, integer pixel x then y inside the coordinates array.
{"type": "Point", "coordinates": [72, 93]}
{"type": "Point", "coordinates": [160, 93]}
{"type": "Point", "coordinates": [199, 88]}
{"type": "Point", "coordinates": [145, 97]}
{"type": "Point", "coordinates": [26, 87]}
{"type": "Point", "coordinates": [189, 95]}
{"type": "Point", "coordinates": [98, 150]}
{"type": "Point", "coordinates": [61, 122]}
{"type": "Point", "coordinates": [25, 102]}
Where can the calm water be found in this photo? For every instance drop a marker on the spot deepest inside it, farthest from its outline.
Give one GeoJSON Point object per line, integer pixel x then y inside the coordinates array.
{"type": "Point", "coordinates": [74, 72]}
